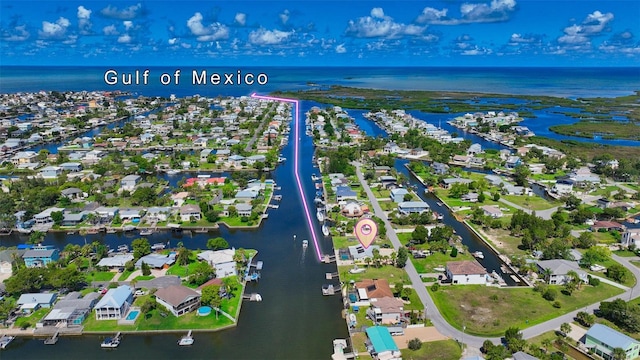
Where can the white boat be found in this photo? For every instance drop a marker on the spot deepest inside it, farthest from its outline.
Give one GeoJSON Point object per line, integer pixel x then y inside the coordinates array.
{"type": "Point", "coordinates": [186, 340]}
{"type": "Point", "coordinates": [357, 270]}
{"type": "Point", "coordinates": [439, 203]}
{"type": "Point", "coordinates": [320, 215]}
{"type": "Point", "coordinates": [145, 232]}
{"type": "Point", "coordinates": [123, 248]}
{"type": "Point", "coordinates": [478, 254]}
{"type": "Point", "coordinates": [111, 343]}
{"type": "Point", "coordinates": [305, 243]}
{"type": "Point", "coordinates": [282, 159]}
{"type": "Point", "coordinates": [24, 231]}
{"type": "Point", "coordinates": [158, 246]}
{"type": "Point", "coordinates": [325, 230]}
{"type": "Point", "coordinates": [315, 177]}
{"type": "Point", "coordinates": [439, 268]}
{"type": "Point", "coordinates": [173, 172]}
{"type": "Point", "coordinates": [5, 340]}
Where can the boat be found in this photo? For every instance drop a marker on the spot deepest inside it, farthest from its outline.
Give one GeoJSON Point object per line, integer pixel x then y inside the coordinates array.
{"type": "Point", "coordinates": [158, 246]}
{"type": "Point", "coordinates": [173, 171]}
{"type": "Point", "coordinates": [128, 228]}
{"type": "Point", "coordinates": [478, 254]}
{"type": "Point", "coordinates": [282, 159]}
{"type": "Point", "coordinates": [357, 270]}
{"type": "Point", "coordinates": [5, 340]}
{"type": "Point", "coordinates": [111, 231]}
{"type": "Point", "coordinates": [320, 215]}
{"type": "Point", "coordinates": [71, 232]}
{"type": "Point", "coordinates": [327, 289]}
{"type": "Point", "coordinates": [439, 203]}
{"type": "Point", "coordinates": [111, 343]}
{"type": "Point", "coordinates": [305, 243]}
{"type": "Point", "coordinates": [25, 231]}
{"type": "Point", "coordinates": [439, 268]}
{"type": "Point", "coordinates": [325, 230]}
{"type": "Point", "coordinates": [123, 248]}
{"type": "Point", "coordinates": [315, 177]}
{"type": "Point", "coordinates": [186, 340]}
{"type": "Point", "coordinates": [145, 232]}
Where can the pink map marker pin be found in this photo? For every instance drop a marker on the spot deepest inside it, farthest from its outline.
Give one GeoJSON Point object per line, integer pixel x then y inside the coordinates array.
{"type": "Point", "coordinates": [366, 230]}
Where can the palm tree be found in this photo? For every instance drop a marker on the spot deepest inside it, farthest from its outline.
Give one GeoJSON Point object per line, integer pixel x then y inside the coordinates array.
{"type": "Point", "coordinates": [565, 328]}
{"type": "Point", "coordinates": [546, 344]}
{"type": "Point", "coordinates": [618, 354]}
{"type": "Point", "coordinates": [546, 274]}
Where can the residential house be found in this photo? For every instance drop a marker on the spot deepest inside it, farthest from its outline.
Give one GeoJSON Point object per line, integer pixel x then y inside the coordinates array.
{"type": "Point", "coordinates": [33, 301]}
{"type": "Point", "coordinates": [373, 289]}
{"type": "Point", "coordinates": [603, 203]}
{"type": "Point", "coordinates": [71, 166]}
{"type": "Point", "coordinates": [397, 195]}
{"type": "Point", "coordinates": [204, 154]}
{"type": "Point", "coordinates": [115, 261]}
{"type": "Point", "coordinates": [513, 162]}
{"type": "Point", "coordinates": [246, 195]}
{"type": "Point", "coordinates": [157, 214]}
{"type": "Point", "coordinates": [7, 257]}
{"type": "Point", "coordinates": [492, 211]}
{"type": "Point", "coordinates": [44, 217]}
{"type": "Point", "coordinates": [236, 160]}
{"type": "Point", "coordinates": [344, 193]}
{"type": "Point", "coordinates": [73, 219]}
{"type": "Point", "coordinates": [178, 299]}
{"type": "Point", "coordinates": [412, 207]}
{"type": "Point", "coordinates": [386, 310]}
{"type": "Point", "coordinates": [244, 209]}
{"type": "Point", "coordinates": [256, 158]}
{"type": "Point", "coordinates": [471, 197]}
{"type": "Point", "coordinates": [380, 344]}
{"type": "Point", "coordinates": [157, 260]}
{"type": "Point", "coordinates": [200, 142]}
{"type": "Point", "coordinates": [106, 213]}
{"type": "Point", "coordinates": [24, 157]}
{"type": "Point", "coordinates": [40, 256]}
{"type": "Point", "coordinates": [353, 209]}
{"type": "Point", "coordinates": [607, 225]}
{"type": "Point", "coordinates": [115, 303]}
{"type": "Point", "coordinates": [439, 168]}
{"type": "Point", "coordinates": [446, 183]}
{"type": "Point", "coordinates": [187, 212]}
{"type": "Point", "coordinates": [72, 310]}
{"type": "Point", "coordinates": [129, 182]}
{"type": "Point", "coordinates": [221, 260]}
{"type": "Point", "coordinates": [358, 252]}
{"type": "Point", "coordinates": [130, 214]}
{"type": "Point", "coordinates": [50, 172]}
{"type": "Point", "coordinates": [602, 339]}
{"type": "Point", "coordinates": [631, 237]}
{"type": "Point", "coordinates": [521, 355]}
{"type": "Point", "coordinates": [474, 149]}
{"type": "Point", "coordinates": [466, 272]}
{"type": "Point", "coordinates": [555, 271]}
{"type": "Point", "coordinates": [72, 193]}
{"type": "Point", "coordinates": [562, 187]}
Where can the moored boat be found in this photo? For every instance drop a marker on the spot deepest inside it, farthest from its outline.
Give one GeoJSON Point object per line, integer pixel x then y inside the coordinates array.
{"type": "Point", "coordinates": [146, 232]}
{"type": "Point", "coordinates": [186, 340]}
{"type": "Point", "coordinates": [158, 246]}
{"type": "Point", "coordinates": [111, 343]}
{"type": "Point", "coordinates": [5, 340]}
{"type": "Point", "coordinates": [305, 243]}
{"type": "Point", "coordinates": [478, 254]}
{"type": "Point", "coordinates": [325, 230]}
{"type": "Point", "coordinates": [320, 215]}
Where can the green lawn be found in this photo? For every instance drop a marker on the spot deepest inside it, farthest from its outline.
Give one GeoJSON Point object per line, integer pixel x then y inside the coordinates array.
{"type": "Point", "coordinates": [473, 306]}
{"type": "Point", "coordinates": [437, 259]}
{"type": "Point", "coordinates": [125, 274]}
{"type": "Point", "coordinates": [100, 276]}
{"type": "Point", "coordinates": [503, 241]}
{"type": "Point", "coordinates": [530, 202]}
{"type": "Point", "coordinates": [32, 319]}
{"type": "Point", "coordinates": [625, 253]}
{"type": "Point", "coordinates": [636, 263]}
{"type": "Point", "coordinates": [144, 277]}
{"type": "Point", "coordinates": [391, 273]}
{"type": "Point", "coordinates": [435, 350]}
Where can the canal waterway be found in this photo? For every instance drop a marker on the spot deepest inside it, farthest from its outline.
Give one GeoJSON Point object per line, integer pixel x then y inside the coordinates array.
{"type": "Point", "coordinates": [294, 320]}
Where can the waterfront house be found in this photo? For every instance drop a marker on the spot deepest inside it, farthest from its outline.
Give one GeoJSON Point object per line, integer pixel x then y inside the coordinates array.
{"type": "Point", "coordinates": [631, 237]}
{"type": "Point", "coordinates": [221, 260]}
{"type": "Point", "coordinates": [178, 299]}
{"type": "Point", "coordinates": [352, 209]}
{"type": "Point", "coordinates": [115, 303]}
{"type": "Point", "coordinates": [40, 256]}
{"type": "Point", "coordinates": [129, 182]}
{"type": "Point", "coordinates": [563, 187]}
{"type": "Point", "coordinates": [157, 260]}
{"type": "Point", "coordinates": [24, 157]}
{"type": "Point", "coordinates": [602, 339]}
{"type": "Point", "coordinates": [256, 158]}
{"type": "Point", "coordinates": [72, 193]}
{"type": "Point", "coordinates": [72, 310]}
{"type": "Point", "coordinates": [397, 195]}
{"type": "Point", "coordinates": [386, 310]}
{"type": "Point", "coordinates": [380, 344]}
{"type": "Point", "coordinates": [358, 253]}
{"type": "Point", "coordinates": [412, 207]}
{"type": "Point", "coordinates": [44, 217]}
{"type": "Point", "coordinates": [71, 166]}
{"type": "Point", "coordinates": [246, 195]}
{"type": "Point", "coordinates": [156, 214]}
{"type": "Point", "coordinates": [50, 172]}
{"type": "Point", "coordinates": [439, 168]}
{"type": "Point", "coordinates": [236, 160]}
{"type": "Point", "coordinates": [466, 272]}
{"type": "Point", "coordinates": [470, 197]}
{"type": "Point", "coordinates": [106, 213]}
{"type": "Point", "coordinates": [33, 301]}
{"type": "Point", "coordinates": [446, 183]}
{"type": "Point", "coordinates": [244, 209]}
{"type": "Point", "coordinates": [130, 214]}
{"type": "Point", "coordinates": [190, 211]}
{"type": "Point", "coordinates": [7, 257]}
{"type": "Point", "coordinates": [512, 162]}
{"type": "Point", "coordinates": [474, 149]}
{"type": "Point", "coordinates": [607, 225]}
{"type": "Point", "coordinates": [115, 261]}
{"type": "Point", "coordinates": [492, 211]}
{"type": "Point", "coordinates": [556, 270]}
{"type": "Point", "coordinates": [204, 154]}
{"type": "Point", "coordinates": [373, 289]}
{"type": "Point", "coordinates": [344, 193]}
{"type": "Point", "coordinates": [73, 219]}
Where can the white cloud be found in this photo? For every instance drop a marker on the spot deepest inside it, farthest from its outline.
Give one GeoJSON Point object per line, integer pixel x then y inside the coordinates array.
{"type": "Point", "coordinates": [110, 30]}
{"type": "Point", "coordinates": [377, 13]}
{"type": "Point", "coordinates": [125, 39]}
{"type": "Point", "coordinates": [430, 14]}
{"type": "Point", "coordinates": [130, 12]}
{"type": "Point", "coordinates": [55, 30]}
{"type": "Point", "coordinates": [84, 22]}
{"type": "Point", "coordinates": [173, 41]}
{"type": "Point", "coordinates": [596, 22]}
{"type": "Point", "coordinates": [578, 36]}
{"type": "Point", "coordinates": [127, 24]}
{"type": "Point", "coordinates": [263, 36]}
{"type": "Point", "coordinates": [380, 26]}
{"type": "Point", "coordinates": [18, 33]}
{"type": "Point", "coordinates": [241, 19]}
{"type": "Point", "coordinates": [340, 49]}
{"type": "Point", "coordinates": [284, 16]}
{"type": "Point", "coordinates": [212, 32]}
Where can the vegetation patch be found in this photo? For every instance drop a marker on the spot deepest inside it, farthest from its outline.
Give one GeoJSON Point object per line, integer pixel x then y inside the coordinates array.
{"type": "Point", "coordinates": [435, 350]}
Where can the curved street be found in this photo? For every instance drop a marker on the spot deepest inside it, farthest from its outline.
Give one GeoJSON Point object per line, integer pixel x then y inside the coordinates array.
{"type": "Point", "coordinates": [475, 342]}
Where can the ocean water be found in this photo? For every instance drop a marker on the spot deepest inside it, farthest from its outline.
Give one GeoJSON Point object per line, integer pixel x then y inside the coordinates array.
{"type": "Point", "coordinates": [562, 82]}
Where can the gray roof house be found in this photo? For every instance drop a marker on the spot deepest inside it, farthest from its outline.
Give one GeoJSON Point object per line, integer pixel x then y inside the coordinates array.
{"type": "Point", "coordinates": [44, 300]}
{"type": "Point", "coordinates": [115, 303]}
{"type": "Point", "coordinates": [157, 261]}
{"type": "Point", "coordinates": [345, 193]}
{"type": "Point", "coordinates": [244, 209]}
{"type": "Point", "coordinates": [559, 269]}
{"type": "Point", "coordinates": [397, 195]}
{"type": "Point", "coordinates": [410, 207]}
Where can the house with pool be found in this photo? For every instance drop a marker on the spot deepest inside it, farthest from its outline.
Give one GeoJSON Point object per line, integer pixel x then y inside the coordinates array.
{"type": "Point", "coordinates": [115, 303]}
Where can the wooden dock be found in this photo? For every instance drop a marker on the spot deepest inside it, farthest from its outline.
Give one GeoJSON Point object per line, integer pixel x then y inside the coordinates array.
{"type": "Point", "coordinates": [327, 259]}
{"type": "Point", "coordinates": [52, 340]}
{"type": "Point", "coordinates": [331, 276]}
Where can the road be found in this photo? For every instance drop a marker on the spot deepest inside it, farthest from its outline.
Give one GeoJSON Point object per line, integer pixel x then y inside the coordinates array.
{"type": "Point", "coordinates": [474, 341]}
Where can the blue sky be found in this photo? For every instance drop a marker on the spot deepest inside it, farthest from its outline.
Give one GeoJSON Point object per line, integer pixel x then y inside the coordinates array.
{"type": "Point", "coordinates": [321, 33]}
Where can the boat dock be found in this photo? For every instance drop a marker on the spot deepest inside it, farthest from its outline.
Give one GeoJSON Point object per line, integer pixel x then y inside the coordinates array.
{"type": "Point", "coordinates": [327, 259]}
{"type": "Point", "coordinates": [331, 276]}
{"type": "Point", "coordinates": [329, 289]}
{"type": "Point", "coordinates": [52, 340]}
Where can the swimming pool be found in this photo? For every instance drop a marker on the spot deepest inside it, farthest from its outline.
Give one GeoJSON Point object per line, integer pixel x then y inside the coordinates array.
{"type": "Point", "coordinates": [133, 315]}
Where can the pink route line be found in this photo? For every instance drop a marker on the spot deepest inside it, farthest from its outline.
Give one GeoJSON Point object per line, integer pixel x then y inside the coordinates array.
{"type": "Point", "coordinates": [295, 167]}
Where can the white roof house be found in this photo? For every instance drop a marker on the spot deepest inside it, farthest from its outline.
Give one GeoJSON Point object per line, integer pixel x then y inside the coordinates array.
{"type": "Point", "coordinates": [221, 260]}
{"type": "Point", "coordinates": [115, 303]}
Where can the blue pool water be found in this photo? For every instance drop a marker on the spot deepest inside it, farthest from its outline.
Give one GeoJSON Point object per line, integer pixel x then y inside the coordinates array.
{"type": "Point", "coordinates": [204, 310]}
{"type": "Point", "coordinates": [133, 315]}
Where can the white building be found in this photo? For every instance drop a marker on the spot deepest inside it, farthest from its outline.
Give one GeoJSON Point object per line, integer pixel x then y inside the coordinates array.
{"type": "Point", "coordinates": [221, 260]}
{"type": "Point", "coordinates": [466, 272]}
{"type": "Point", "coordinates": [115, 303]}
